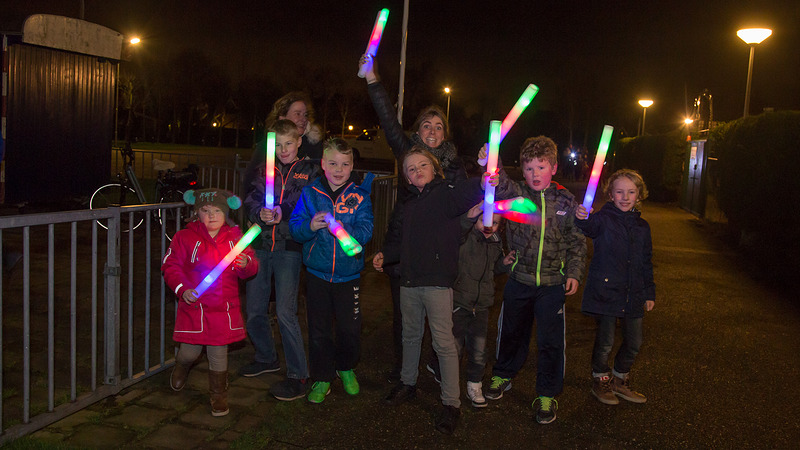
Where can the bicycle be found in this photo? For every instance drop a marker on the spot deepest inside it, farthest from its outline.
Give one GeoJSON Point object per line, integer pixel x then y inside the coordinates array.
{"type": "Point", "coordinates": [170, 187]}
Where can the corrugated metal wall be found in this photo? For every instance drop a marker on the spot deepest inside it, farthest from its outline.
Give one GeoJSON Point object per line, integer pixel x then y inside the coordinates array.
{"type": "Point", "coordinates": [60, 121]}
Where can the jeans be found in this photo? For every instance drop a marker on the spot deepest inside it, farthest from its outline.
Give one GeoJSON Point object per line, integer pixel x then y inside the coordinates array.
{"type": "Point", "coordinates": [604, 341]}
{"type": "Point", "coordinates": [437, 304]}
{"type": "Point", "coordinates": [469, 330]}
{"type": "Point", "coordinates": [285, 267]}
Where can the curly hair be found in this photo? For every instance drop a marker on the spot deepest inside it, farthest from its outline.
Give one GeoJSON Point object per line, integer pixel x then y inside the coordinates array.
{"type": "Point", "coordinates": [539, 147]}
{"type": "Point", "coordinates": [632, 175]}
{"type": "Point", "coordinates": [282, 105]}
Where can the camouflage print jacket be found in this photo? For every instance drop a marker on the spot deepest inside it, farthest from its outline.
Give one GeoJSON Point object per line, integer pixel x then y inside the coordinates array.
{"type": "Point", "coordinates": [550, 252]}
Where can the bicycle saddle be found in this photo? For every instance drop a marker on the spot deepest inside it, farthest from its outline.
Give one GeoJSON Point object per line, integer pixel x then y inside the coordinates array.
{"type": "Point", "coordinates": [160, 165]}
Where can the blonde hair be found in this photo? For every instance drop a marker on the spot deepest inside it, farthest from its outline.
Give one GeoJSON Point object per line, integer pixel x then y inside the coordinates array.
{"type": "Point", "coordinates": [337, 144]}
{"type": "Point", "coordinates": [285, 127]}
{"type": "Point", "coordinates": [633, 176]}
{"type": "Point", "coordinates": [539, 147]}
{"type": "Point", "coordinates": [420, 150]}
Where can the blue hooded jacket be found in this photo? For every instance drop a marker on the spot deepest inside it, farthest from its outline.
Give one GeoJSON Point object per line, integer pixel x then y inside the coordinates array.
{"type": "Point", "coordinates": [322, 254]}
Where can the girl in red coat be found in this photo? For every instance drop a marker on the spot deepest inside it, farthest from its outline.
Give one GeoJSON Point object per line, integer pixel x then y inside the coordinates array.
{"type": "Point", "coordinates": [214, 320]}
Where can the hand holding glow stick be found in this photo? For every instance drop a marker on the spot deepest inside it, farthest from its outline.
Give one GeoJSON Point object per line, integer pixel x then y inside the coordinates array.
{"type": "Point", "coordinates": [491, 168]}
{"type": "Point", "coordinates": [519, 209]}
{"type": "Point", "coordinates": [348, 244]}
{"type": "Point", "coordinates": [228, 259]}
{"type": "Point", "coordinates": [269, 182]}
{"type": "Point", "coordinates": [374, 41]}
{"type": "Point", "coordinates": [522, 103]}
{"type": "Point", "coordinates": [597, 168]}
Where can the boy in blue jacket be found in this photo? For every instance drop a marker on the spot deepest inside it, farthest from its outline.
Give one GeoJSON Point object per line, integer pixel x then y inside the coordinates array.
{"type": "Point", "coordinates": [333, 278]}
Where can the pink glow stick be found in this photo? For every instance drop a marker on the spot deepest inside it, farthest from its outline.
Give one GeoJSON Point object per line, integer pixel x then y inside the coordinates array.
{"type": "Point", "coordinates": [228, 259]}
{"type": "Point", "coordinates": [597, 168]}
{"type": "Point", "coordinates": [491, 168]}
{"type": "Point", "coordinates": [518, 209]}
{"type": "Point", "coordinates": [349, 245]}
{"type": "Point", "coordinates": [269, 182]}
{"type": "Point", "coordinates": [522, 103]}
{"type": "Point", "coordinates": [374, 40]}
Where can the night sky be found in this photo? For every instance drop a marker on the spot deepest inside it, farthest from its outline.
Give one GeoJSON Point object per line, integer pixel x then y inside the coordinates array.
{"type": "Point", "coordinates": [592, 60]}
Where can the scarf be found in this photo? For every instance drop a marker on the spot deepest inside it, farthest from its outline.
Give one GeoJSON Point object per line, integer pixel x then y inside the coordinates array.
{"type": "Point", "coordinates": [445, 152]}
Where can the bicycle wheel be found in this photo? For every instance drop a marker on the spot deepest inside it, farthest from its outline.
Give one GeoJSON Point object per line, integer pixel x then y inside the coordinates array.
{"type": "Point", "coordinates": [173, 218]}
{"type": "Point", "coordinates": [115, 194]}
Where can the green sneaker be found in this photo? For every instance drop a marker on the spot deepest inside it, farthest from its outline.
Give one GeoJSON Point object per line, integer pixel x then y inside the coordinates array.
{"type": "Point", "coordinates": [546, 411]}
{"type": "Point", "coordinates": [497, 386]}
{"type": "Point", "coordinates": [318, 392]}
{"type": "Point", "coordinates": [349, 381]}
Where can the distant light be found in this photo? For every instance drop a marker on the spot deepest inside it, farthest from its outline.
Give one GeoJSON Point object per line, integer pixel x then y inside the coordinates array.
{"type": "Point", "coordinates": [134, 41]}
{"type": "Point", "coordinates": [754, 35]}
{"type": "Point", "coordinates": [214, 124]}
{"type": "Point", "coordinates": [447, 90]}
{"type": "Point", "coordinates": [687, 121]}
{"type": "Point", "coordinates": [350, 127]}
{"type": "Point", "coordinates": [646, 103]}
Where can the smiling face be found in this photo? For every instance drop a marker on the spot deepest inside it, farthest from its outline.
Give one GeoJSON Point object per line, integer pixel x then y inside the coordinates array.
{"type": "Point", "coordinates": [419, 170]}
{"type": "Point", "coordinates": [538, 173]}
{"type": "Point", "coordinates": [431, 130]}
{"type": "Point", "coordinates": [624, 194]}
{"type": "Point", "coordinates": [297, 113]}
{"type": "Point", "coordinates": [337, 167]}
{"type": "Point", "coordinates": [286, 146]}
{"type": "Point", "coordinates": [212, 217]}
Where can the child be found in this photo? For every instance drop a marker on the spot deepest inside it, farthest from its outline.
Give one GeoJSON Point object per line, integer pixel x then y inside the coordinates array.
{"type": "Point", "coordinates": [550, 262]}
{"type": "Point", "coordinates": [279, 256]}
{"type": "Point", "coordinates": [480, 257]}
{"type": "Point", "coordinates": [333, 277]}
{"type": "Point", "coordinates": [620, 282]}
{"type": "Point", "coordinates": [428, 254]}
{"type": "Point", "coordinates": [215, 320]}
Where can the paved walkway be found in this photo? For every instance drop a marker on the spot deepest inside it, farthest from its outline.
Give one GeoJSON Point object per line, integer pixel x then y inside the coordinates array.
{"type": "Point", "coordinates": [720, 366]}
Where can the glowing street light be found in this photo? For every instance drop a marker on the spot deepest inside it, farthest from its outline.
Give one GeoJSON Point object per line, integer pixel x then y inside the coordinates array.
{"type": "Point", "coordinates": [134, 40]}
{"type": "Point", "coordinates": [447, 91]}
{"type": "Point", "coordinates": [645, 103]}
{"type": "Point", "coordinates": [751, 37]}
{"type": "Point", "coordinates": [131, 41]}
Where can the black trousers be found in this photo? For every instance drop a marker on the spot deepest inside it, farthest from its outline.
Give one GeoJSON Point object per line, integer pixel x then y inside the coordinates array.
{"type": "Point", "coordinates": [334, 326]}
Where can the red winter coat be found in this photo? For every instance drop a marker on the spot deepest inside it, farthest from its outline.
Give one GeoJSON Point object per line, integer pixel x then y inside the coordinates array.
{"type": "Point", "coordinates": [216, 318]}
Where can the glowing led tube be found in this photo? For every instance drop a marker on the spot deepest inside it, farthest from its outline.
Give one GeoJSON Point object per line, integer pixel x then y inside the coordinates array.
{"type": "Point", "coordinates": [597, 168]}
{"type": "Point", "coordinates": [519, 107]}
{"type": "Point", "coordinates": [374, 40]}
{"type": "Point", "coordinates": [349, 245]}
{"type": "Point", "coordinates": [519, 209]}
{"type": "Point", "coordinates": [491, 168]}
{"type": "Point", "coordinates": [269, 182]}
{"type": "Point", "coordinates": [228, 259]}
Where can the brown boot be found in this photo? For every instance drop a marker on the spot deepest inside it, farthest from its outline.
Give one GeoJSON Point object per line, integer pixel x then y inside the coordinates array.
{"type": "Point", "coordinates": [218, 388]}
{"type": "Point", "coordinates": [622, 387]}
{"type": "Point", "coordinates": [180, 372]}
{"type": "Point", "coordinates": [601, 388]}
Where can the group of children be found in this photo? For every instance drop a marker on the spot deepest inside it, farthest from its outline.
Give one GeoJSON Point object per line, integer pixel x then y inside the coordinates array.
{"type": "Point", "coordinates": [447, 262]}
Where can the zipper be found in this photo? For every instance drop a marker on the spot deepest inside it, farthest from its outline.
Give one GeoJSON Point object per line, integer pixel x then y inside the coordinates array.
{"type": "Point", "coordinates": [541, 239]}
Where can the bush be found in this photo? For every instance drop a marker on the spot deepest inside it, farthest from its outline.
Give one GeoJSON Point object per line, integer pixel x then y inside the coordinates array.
{"type": "Point", "coordinates": [658, 159]}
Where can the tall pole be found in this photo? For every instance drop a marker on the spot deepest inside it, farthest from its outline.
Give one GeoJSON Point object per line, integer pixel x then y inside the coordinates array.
{"type": "Point", "coordinates": [448, 106]}
{"type": "Point", "coordinates": [116, 105]}
{"type": "Point", "coordinates": [401, 88]}
{"type": "Point", "coordinates": [749, 80]}
{"type": "Point", "coordinates": [644, 116]}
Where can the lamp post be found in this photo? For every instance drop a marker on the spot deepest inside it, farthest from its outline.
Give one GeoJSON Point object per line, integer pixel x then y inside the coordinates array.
{"type": "Point", "coordinates": [132, 41]}
{"type": "Point", "coordinates": [752, 37]}
{"type": "Point", "coordinates": [447, 91]}
{"type": "Point", "coordinates": [644, 104]}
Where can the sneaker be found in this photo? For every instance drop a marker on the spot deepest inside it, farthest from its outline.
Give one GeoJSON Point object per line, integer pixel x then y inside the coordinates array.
{"type": "Point", "coordinates": [546, 411]}
{"type": "Point", "coordinates": [256, 368]}
{"type": "Point", "coordinates": [448, 419]}
{"type": "Point", "coordinates": [400, 394]}
{"type": "Point", "coordinates": [436, 377]}
{"type": "Point", "coordinates": [289, 389]}
{"type": "Point", "coordinates": [622, 388]}
{"type": "Point", "coordinates": [497, 387]}
{"type": "Point", "coordinates": [318, 391]}
{"type": "Point", "coordinates": [349, 381]}
{"type": "Point", "coordinates": [475, 393]}
{"type": "Point", "coordinates": [601, 388]}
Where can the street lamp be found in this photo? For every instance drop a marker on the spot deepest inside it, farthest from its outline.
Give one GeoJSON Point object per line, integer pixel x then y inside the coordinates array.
{"type": "Point", "coordinates": [447, 91]}
{"type": "Point", "coordinates": [645, 104]}
{"type": "Point", "coordinates": [132, 41]}
{"type": "Point", "coordinates": [752, 37]}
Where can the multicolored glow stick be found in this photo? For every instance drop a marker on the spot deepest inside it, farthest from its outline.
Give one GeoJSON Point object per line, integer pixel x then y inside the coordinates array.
{"type": "Point", "coordinates": [374, 40]}
{"type": "Point", "coordinates": [597, 168]}
{"type": "Point", "coordinates": [491, 168]}
{"type": "Point", "coordinates": [518, 209]}
{"type": "Point", "coordinates": [269, 182]}
{"type": "Point", "coordinates": [228, 259]}
{"type": "Point", "coordinates": [523, 102]}
{"type": "Point", "coordinates": [349, 245]}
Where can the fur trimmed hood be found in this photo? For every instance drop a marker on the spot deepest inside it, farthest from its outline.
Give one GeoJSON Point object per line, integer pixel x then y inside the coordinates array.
{"type": "Point", "coordinates": [313, 133]}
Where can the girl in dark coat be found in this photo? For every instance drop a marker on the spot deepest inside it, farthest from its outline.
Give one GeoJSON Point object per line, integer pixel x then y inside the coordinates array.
{"type": "Point", "coordinates": [620, 282]}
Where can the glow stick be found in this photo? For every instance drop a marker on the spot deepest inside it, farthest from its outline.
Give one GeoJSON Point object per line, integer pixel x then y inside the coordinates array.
{"type": "Point", "coordinates": [518, 209]}
{"type": "Point", "coordinates": [269, 182]}
{"type": "Point", "coordinates": [491, 167]}
{"type": "Point", "coordinates": [597, 168]}
{"type": "Point", "coordinates": [349, 245]}
{"type": "Point", "coordinates": [228, 259]}
{"type": "Point", "coordinates": [522, 103]}
{"type": "Point", "coordinates": [374, 41]}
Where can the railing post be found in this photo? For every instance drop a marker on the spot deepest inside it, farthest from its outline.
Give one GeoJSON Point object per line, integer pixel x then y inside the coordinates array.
{"type": "Point", "coordinates": [111, 282]}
